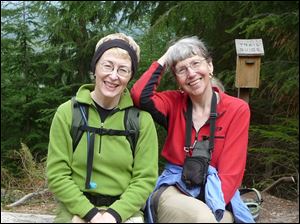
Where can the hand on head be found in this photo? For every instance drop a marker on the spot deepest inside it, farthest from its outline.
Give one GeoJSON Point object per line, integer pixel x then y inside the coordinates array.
{"type": "Point", "coordinates": [163, 60]}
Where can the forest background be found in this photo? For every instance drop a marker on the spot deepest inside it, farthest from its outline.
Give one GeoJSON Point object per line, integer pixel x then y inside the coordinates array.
{"type": "Point", "coordinates": [46, 49]}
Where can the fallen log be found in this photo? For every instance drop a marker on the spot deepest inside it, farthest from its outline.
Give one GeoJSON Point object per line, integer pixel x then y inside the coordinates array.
{"type": "Point", "coordinates": [12, 217]}
{"type": "Point", "coordinates": [26, 197]}
{"type": "Point", "coordinates": [286, 179]}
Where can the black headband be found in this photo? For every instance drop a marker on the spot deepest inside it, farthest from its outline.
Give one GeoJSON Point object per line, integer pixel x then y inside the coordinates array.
{"type": "Point", "coordinates": [115, 43]}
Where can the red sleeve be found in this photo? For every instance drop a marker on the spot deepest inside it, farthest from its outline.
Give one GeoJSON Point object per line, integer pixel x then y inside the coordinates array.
{"type": "Point", "coordinates": [146, 97]}
{"type": "Point", "coordinates": [144, 82]}
{"type": "Point", "coordinates": [232, 162]}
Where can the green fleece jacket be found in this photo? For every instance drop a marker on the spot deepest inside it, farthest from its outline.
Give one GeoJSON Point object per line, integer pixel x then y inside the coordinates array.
{"type": "Point", "coordinates": [115, 171]}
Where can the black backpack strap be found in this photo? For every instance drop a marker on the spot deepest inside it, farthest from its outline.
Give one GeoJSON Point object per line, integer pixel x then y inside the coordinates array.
{"type": "Point", "coordinates": [77, 121]}
{"type": "Point", "coordinates": [212, 123]}
{"type": "Point", "coordinates": [188, 127]}
{"type": "Point", "coordinates": [105, 131]}
{"type": "Point", "coordinates": [90, 158]}
{"type": "Point", "coordinates": [80, 125]}
{"type": "Point", "coordinates": [80, 119]}
{"type": "Point", "coordinates": [212, 120]}
{"type": "Point", "coordinates": [132, 125]}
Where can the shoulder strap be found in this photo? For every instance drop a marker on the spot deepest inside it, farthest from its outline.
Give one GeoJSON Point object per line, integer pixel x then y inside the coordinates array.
{"type": "Point", "coordinates": [212, 121]}
{"type": "Point", "coordinates": [132, 124]}
{"type": "Point", "coordinates": [77, 121]}
{"type": "Point", "coordinates": [80, 119]}
{"type": "Point", "coordinates": [79, 126]}
{"type": "Point", "coordinates": [188, 127]}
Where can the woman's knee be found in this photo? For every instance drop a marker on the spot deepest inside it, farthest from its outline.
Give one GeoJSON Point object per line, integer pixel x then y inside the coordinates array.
{"type": "Point", "coordinates": [174, 206]}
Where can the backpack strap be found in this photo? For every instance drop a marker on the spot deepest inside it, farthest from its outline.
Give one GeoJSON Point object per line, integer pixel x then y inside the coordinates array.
{"type": "Point", "coordinates": [77, 121]}
{"type": "Point", "coordinates": [80, 125]}
{"type": "Point", "coordinates": [132, 125]}
{"type": "Point", "coordinates": [212, 123]}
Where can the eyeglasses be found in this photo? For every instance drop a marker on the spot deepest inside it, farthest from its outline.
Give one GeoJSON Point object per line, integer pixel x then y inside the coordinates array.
{"type": "Point", "coordinates": [194, 65]}
{"type": "Point", "coordinates": [122, 71]}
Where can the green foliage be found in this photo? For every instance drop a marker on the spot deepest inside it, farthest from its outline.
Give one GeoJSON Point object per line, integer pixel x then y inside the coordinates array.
{"type": "Point", "coordinates": [47, 50]}
{"type": "Point", "coordinates": [273, 153]}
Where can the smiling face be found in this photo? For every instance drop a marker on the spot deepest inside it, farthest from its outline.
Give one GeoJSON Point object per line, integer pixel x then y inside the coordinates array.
{"type": "Point", "coordinates": [192, 75]}
{"type": "Point", "coordinates": [110, 73]}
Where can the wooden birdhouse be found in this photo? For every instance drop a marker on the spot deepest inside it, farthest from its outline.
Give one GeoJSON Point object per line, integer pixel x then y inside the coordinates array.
{"type": "Point", "coordinates": [249, 52]}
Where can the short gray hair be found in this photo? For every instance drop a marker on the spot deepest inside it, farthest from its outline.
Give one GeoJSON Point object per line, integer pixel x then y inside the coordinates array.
{"type": "Point", "coordinates": [216, 82]}
{"type": "Point", "coordinates": [185, 48]}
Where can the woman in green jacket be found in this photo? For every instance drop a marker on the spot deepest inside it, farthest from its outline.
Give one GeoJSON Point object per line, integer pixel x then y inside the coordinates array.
{"type": "Point", "coordinates": [119, 180]}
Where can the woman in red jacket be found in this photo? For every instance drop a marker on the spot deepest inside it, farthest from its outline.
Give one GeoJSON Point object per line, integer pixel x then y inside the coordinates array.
{"type": "Point", "coordinates": [189, 129]}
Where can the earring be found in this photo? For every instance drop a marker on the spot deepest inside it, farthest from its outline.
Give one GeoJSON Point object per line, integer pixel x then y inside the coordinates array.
{"type": "Point", "coordinates": [92, 76]}
{"type": "Point", "coordinates": [180, 90]}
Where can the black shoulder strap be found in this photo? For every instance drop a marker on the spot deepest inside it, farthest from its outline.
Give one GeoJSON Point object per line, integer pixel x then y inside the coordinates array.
{"type": "Point", "coordinates": [132, 124]}
{"type": "Point", "coordinates": [131, 119]}
{"type": "Point", "coordinates": [212, 120]}
{"type": "Point", "coordinates": [80, 125]}
{"type": "Point", "coordinates": [77, 121]}
{"type": "Point", "coordinates": [188, 126]}
{"type": "Point", "coordinates": [188, 131]}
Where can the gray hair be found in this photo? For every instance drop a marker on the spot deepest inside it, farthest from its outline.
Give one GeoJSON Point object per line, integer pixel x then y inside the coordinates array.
{"type": "Point", "coordinates": [216, 82]}
{"type": "Point", "coordinates": [185, 48]}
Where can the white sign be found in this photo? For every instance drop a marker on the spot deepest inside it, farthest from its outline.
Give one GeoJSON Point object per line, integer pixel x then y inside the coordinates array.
{"type": "Point", "coordinates": [249, 47]}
